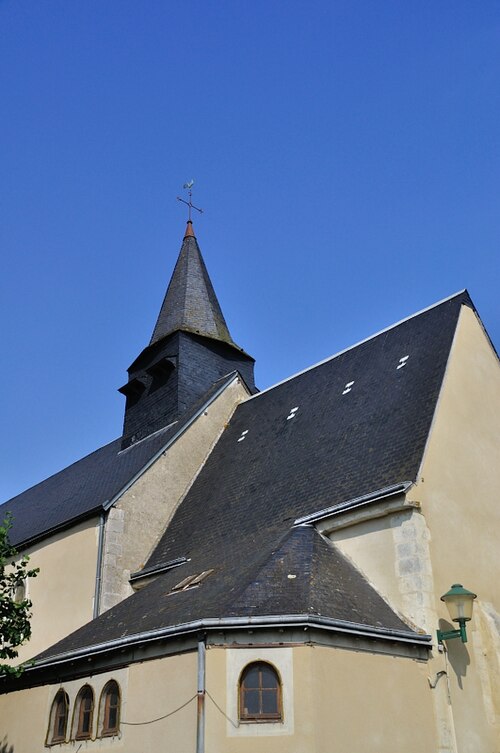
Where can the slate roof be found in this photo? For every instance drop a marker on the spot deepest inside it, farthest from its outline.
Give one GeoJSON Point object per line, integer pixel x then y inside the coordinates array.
{"type": "Point", "coordinates": [190, 303]}
{"type": "Point", "coordinates": [83, 488]}
{"type": "Point", "coordinates": [325, 584]}
{"type": "Point", "coordinates": [341, 442]}
{"type": "Point", "coordinates": [338, 446]}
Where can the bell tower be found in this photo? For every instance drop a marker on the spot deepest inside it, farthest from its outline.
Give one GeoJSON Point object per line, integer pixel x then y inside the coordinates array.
{"type": "Point", "coordinates": [190, 349]}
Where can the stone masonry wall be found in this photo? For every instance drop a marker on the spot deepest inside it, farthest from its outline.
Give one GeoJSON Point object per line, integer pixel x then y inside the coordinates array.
{"type": "Point", "coordinates": [138, 520]}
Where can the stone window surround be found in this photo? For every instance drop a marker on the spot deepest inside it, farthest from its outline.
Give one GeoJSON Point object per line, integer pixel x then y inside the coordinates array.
{"type": "Point", "coordinates": [281, 659]}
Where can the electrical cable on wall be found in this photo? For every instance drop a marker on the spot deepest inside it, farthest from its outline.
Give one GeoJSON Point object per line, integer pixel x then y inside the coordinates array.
{"type": "Point", "coordinates": [158, 719]}
{"type": "Point", "coordinates": [235, 724]}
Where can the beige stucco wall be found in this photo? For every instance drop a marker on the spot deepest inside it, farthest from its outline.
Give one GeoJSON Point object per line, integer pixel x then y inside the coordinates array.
{"type": "Point", "coordinates": [148, 691]}
{"type": "Point", "coordinates": [16, 735]}
{"type": "Point", "coordinates": [339, 701]}
{"type": "Point", "coordinates": [63, 592]}
{"type": "Point", "coordinates": [459, 482]}
{"type": "Point", "coordinates": [459, 489]}
{"type": "Point", "coordinates": [141, 515]}
{"type": "Point", "coordinates": [393, 554]}
{"type": "Point", "coordinates": [367, 703]}
{"type": "Point", "coordinates": [158, 688]}
{"type": "Point", "coordinates": [342, 701]}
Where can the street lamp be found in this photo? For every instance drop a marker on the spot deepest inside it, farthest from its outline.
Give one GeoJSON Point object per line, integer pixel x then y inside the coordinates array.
{"type": "Point", "coordinates": [459, 602]}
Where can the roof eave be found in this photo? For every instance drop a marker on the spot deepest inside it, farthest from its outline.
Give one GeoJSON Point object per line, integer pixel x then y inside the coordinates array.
{"type": "Point", "coordinates": [87, 515]}
{"type": "Point", "coordinates": [153, 345]}
{"type": "Point", "coordinates": [230, 623]}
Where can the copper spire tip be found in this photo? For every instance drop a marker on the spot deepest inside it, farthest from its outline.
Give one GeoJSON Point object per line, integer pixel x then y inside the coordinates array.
{"type": "Point", "coordinates": [189, 230]}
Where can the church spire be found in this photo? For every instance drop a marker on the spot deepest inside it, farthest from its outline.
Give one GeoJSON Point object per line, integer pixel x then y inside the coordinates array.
{"type": "Point", "coordinates": [189, 351]}
{"type": "Point", "coordinates": [190, 303]}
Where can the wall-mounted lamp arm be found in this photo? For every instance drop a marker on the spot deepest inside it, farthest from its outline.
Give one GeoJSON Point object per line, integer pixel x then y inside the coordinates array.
{"type": "Point", "coordinates": [446, 635]}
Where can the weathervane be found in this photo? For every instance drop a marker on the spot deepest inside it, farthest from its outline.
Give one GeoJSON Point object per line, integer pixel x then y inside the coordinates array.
{"type": "Point", "coordinates": [190, 204]}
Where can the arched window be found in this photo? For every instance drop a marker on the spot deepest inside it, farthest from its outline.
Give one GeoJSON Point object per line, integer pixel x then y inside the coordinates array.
{"type": "Point", "coordinates": [83, 714]}
{"type": "Point", "coordinates": [260, 694]}
{"type": "Point", "coordinates": [109, 712]}
{"type": "Point", "coordinates": [58, 718]}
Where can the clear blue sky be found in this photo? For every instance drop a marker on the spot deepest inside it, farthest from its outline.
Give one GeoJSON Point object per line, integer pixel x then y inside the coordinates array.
{"type": "Point", "coordinates": [346, 153]}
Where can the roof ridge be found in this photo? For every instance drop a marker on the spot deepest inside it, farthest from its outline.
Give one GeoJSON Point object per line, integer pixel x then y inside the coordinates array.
{"type": "Point", "coordinates": [185, 421]}
{"type": "Point", "coordinates": [148, 437]}
{"type": "Point", "coordinates": [360, 342]}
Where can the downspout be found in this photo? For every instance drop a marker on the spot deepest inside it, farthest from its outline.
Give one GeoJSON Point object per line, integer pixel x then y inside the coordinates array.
{"type": "Point", "coordinates": [200, 720]}
{"type": "Point", "coordinates": [98, 573]}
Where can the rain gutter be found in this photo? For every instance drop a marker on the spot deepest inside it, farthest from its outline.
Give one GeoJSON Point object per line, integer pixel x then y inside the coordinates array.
{"type": "Point", "coordinates": [351, 504]}
{"type": "Point", "coordinates": [228, 623]}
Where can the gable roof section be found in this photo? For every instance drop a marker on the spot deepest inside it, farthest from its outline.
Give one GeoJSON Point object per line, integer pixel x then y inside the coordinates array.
{"type": "Point", "coordinates": [267, 470]}
{"type": "Point", "coordinates": [92, 483]}
{"type": "Point", "coordinates": [339, 445]}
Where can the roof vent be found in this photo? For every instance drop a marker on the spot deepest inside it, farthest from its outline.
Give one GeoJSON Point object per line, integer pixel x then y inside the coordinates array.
{"type": "Point", "coordinates": [402, 362]}
{"type": "Point", "coordinates": [243, 435]}
{"type": "Point", "coordinates": [293, 411]}
{"type": "Point", "coordinates": [190, 582]}
{"type": "Point", "coordinates": [348, 388]}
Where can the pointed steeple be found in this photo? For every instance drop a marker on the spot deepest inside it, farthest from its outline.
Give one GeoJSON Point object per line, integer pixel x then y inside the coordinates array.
{"type": "Point", "coordinates": [190, 304]}
{"type": "Point", "coordinates": [190, 350]}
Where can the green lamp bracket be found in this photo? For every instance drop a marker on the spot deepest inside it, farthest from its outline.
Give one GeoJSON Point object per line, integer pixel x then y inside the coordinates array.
{"type": "Point", "coordinates": [446, 635]}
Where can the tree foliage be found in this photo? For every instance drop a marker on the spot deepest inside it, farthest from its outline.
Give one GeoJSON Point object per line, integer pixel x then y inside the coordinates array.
{"type": "Point", "coordinates": [15, 608]}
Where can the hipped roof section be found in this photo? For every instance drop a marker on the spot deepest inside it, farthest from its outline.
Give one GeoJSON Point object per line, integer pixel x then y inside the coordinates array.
{"type": "Point", "coordinates": [323, 583]}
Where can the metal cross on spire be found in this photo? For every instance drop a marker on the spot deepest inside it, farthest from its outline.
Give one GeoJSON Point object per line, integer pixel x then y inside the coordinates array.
{"type": "Point", "coordinates": [189, 203]}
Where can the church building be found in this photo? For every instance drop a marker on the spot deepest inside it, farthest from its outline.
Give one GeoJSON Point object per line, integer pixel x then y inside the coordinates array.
{"type": "Point", "coordinates": [245, 570]}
